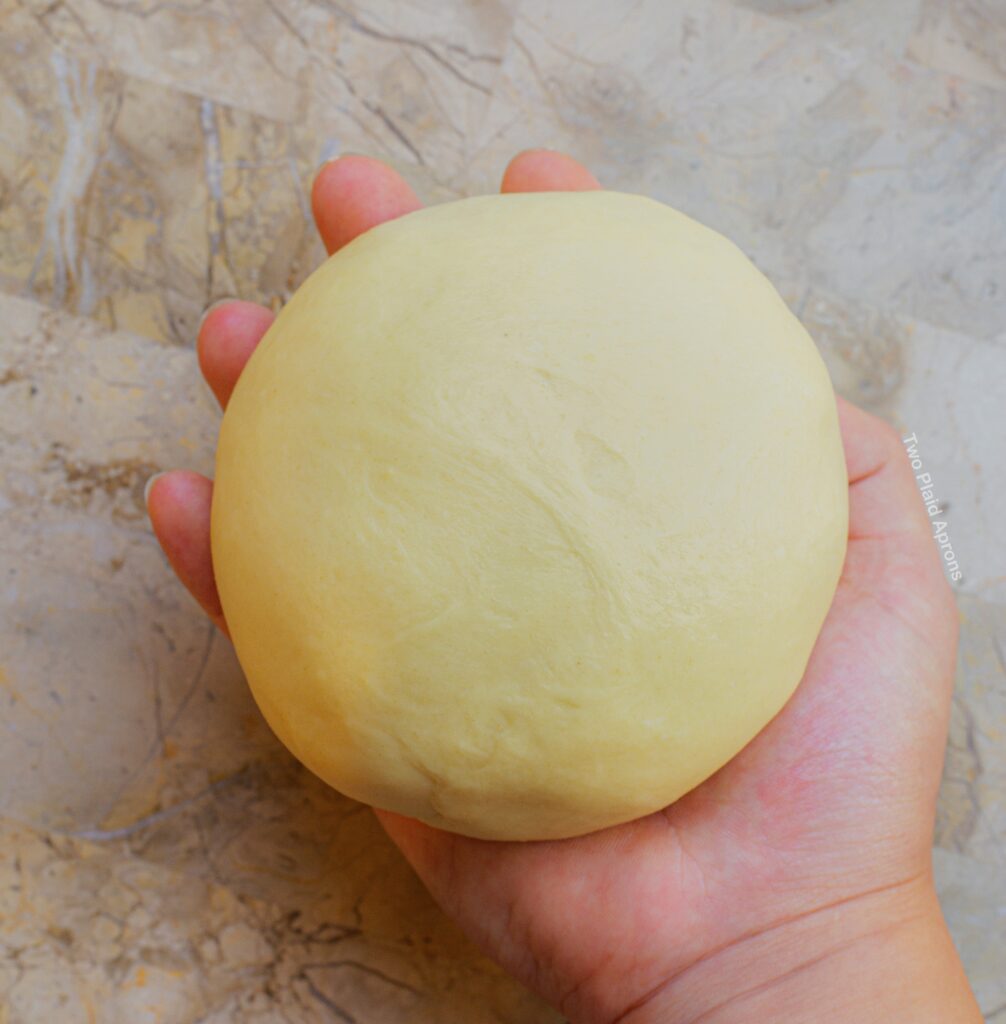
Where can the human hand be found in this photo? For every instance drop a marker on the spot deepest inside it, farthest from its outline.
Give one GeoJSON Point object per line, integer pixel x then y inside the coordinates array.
{"type": "Point", "coordinates": [795, 884]}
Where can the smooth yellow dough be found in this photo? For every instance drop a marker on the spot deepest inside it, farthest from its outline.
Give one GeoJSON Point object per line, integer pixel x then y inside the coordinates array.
{"type": "Point", "coordinates": [528, 511]}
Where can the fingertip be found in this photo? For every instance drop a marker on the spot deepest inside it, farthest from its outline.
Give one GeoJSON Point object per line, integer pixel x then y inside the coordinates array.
{"type": "Point", "coordinates": [352, 194]}
{"type": "Point", "coordinates": [228, 335]}
{"type": "Point", "coordinates": [869, 442]}
{"type": "Point", "coordinates": [179, 503]}
{"type": "Point", "coordinates": [546, 170]}
{"type": "Point", "coordinates": [884, 498]}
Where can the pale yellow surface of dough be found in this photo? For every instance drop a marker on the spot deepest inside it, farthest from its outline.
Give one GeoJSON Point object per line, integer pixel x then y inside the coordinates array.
{"type": "Point", "coordinates": [528, 511]}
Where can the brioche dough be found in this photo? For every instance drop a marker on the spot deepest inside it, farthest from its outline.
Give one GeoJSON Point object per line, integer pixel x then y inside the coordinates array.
{"type": "Point", "coordinates": [528, 512]}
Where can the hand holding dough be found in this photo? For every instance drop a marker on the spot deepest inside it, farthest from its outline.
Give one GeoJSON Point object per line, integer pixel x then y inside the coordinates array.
{"type": "Point", "coordinates": [528, 511]}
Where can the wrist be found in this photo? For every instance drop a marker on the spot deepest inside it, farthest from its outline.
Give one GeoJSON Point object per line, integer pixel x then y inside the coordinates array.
{"type": "Point", "coordinates": [884, 956]}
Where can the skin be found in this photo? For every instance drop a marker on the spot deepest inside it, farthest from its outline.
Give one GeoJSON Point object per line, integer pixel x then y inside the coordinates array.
{"type": "Point", "coordinates": [796, 883]}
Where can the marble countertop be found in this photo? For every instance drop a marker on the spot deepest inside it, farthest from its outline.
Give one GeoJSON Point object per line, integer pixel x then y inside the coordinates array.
{"type": "Point", "coordinates": [162, 858]}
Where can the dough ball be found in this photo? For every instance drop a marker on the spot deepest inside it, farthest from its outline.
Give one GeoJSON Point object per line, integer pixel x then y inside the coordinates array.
{"type": "Point", "coordinates": [528, 511]}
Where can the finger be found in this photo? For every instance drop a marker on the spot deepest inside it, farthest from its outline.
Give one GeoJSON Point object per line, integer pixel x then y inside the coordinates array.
{"type": "Point", "coordinates": [227, 337]}
{"type": "Point", "coordinates": [355, 193]}
{"type": "Point", "coordinates": [179, 507]}
{"type": "Point", "coordinates": [884, 499]}
{"type": "Point", "coordinates": [543, 170]}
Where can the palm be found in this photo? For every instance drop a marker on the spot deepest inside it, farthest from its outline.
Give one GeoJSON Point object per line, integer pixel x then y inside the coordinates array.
{"type": "Point", "coordinates": [742, 853]}
{"type": "Point", "coordinates": [827, 797]}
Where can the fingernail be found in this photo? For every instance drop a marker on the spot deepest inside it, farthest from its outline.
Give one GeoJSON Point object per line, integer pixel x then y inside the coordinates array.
{"type": "Point", "coordinates": [212, 306]}
{"type": "Point", "coordinates": [150, 483]}
{"type": "Point", "coordinates": [335, 157]}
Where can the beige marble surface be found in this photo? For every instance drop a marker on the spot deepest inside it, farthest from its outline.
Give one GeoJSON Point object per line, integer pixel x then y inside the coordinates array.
{"type": "Point", "coordinates": [161, 858]}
